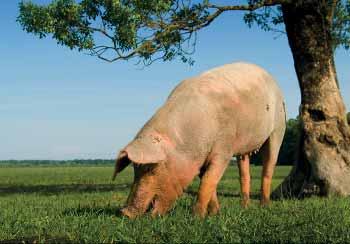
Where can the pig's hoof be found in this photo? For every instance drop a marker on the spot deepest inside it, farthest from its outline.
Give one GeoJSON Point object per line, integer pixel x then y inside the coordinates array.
{"type": "Point", "coordinates": [245, 203]}
{"type": "Point", "coordinates": [199, 211]}
{"type": "Point", "coordinates": [157, 213]}
{"type": "Point", "coordinates": [264, 202]}
{"type": "Point", "coordinates": [213, 209]}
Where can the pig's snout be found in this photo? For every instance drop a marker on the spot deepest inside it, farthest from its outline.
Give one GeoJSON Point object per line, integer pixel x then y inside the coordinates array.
{"type": "Point", "coordinates": [131, 211]}
{"type": "Point", "coordinates": [139, 201]}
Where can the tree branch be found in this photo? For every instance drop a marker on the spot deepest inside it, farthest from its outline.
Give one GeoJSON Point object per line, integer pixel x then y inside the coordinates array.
{"type": "Point", "coordinates": [181, 25]}
{"type": "Point", "coordinates": [160, 27]}
{"type": "Point", "coordinates": [249, 7]}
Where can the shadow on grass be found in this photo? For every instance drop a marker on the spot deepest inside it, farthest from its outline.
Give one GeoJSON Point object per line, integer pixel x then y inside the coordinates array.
{"type": "Point", "coordinates": [225, 194]}
{"type": "Point", "coordinates": [116, 210]}
{"type": "Point", "coordinates": [29, 240]}
{"type": "Point", "coordinates": [96, 211]}
{"type": "Point", "coordinates": [57, 189]}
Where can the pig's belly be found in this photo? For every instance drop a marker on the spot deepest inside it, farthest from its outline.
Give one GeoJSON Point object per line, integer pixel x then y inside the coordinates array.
{"type": "Point", "coordinates": [251, 133]}
{"type": "Point", "coordinates": [244, 145]}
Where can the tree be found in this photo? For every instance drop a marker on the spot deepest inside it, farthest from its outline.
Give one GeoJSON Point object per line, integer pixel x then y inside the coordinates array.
{"type": "Point", "coordinates": [348, 117]}
{"type": "Point", "coordinates": [148, 30]}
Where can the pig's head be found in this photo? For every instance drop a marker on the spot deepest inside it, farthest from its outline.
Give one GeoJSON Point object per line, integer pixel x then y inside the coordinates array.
{"type": "Point", "coordinates": [155, 183]}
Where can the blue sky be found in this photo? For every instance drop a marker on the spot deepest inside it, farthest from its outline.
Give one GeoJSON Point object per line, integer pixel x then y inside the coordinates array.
{"type": "Point", "coordinates": [61, 104]}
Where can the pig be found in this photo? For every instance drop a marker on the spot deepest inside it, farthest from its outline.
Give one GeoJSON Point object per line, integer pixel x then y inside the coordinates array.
{"type": "Point", "coordinates": [235, 109]}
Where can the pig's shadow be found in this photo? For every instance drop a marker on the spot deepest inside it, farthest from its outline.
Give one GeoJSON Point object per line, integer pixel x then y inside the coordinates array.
{"type": "Point", "coordinates": [96, 211]}
{"type": "Point", "coordinates": [253, 195]}
{"type": "Point", "coordinates": [116, 211]}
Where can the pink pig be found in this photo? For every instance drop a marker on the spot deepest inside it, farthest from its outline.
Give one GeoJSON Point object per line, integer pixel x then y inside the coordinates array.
{"type": "Point", "coordinates": [235, 109]}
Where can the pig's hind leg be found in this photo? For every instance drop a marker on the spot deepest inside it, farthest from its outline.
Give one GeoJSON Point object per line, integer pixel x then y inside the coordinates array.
{"type": "Point", "coordinates": [244, 178]}
{"type": "Point", "coordinates": [269, 153]}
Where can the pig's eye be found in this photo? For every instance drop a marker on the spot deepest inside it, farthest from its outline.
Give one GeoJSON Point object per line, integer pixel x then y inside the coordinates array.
{"type": "Point", "coordinates": [136, 166]}
{"type": "Point", "coordinates": [144, 167]}
{"type": "Point", "coordinates": [148, 167]}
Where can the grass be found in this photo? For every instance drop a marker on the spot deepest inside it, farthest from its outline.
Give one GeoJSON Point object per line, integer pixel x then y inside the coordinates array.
{"type": "Point", "coordinates": [80, 204]}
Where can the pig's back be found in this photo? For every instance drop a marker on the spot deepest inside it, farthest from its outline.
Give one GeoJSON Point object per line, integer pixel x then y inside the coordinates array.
{"type": "Point", "coordinates": [238, 102]}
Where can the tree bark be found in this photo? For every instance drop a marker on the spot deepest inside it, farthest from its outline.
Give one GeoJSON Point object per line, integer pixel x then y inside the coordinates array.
{"type": "Point", "coordinates": [322, 166]}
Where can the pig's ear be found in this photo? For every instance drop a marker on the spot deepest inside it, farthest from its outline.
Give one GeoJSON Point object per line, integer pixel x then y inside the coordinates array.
{"type": "Point", "coordinates": [121, 163]}
{"type": "Point", "coordinates": [145, 150]}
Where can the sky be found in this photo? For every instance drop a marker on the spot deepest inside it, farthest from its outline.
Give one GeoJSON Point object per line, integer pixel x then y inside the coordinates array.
{"type": "Point", "coordinates": [61, 104]}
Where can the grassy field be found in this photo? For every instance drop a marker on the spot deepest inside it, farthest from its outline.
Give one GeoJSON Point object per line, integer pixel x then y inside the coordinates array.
{"type": "Point", "coordinates": [80, 204]}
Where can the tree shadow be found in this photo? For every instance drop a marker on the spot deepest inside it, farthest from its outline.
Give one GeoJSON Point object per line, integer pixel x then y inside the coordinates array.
{"type": "Point", "coordinates": [58, 189]}
{"type": "Point", "coordinates": [30, 240]}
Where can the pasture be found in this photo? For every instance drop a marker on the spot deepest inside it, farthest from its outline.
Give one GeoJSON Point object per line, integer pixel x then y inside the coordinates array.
{"type": "Point", "coordinates": [80, 204]}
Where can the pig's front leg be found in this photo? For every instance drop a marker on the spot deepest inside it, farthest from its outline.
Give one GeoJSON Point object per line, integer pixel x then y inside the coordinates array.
{"type": "Point", "coordinates": [213, 206]}
{"type": "Point", "coordinates": [207, 188]}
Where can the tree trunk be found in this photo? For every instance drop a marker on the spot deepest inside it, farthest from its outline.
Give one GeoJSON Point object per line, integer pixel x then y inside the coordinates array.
{"type": "Point", "coordinates": [322, 166]}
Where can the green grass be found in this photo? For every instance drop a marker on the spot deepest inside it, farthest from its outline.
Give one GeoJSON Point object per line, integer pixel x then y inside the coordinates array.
{"type": "Point", "coordinates": [80, 204]}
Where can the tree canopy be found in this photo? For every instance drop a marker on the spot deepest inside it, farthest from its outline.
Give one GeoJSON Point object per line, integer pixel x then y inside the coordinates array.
{"type": "Point", "coordinates": [149, 30]}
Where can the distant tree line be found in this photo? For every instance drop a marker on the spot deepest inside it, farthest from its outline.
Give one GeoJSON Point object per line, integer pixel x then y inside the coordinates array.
{"type": "Point", "coordinates": [57, 162]}
{"type": "Point", "coordinates": [290, 143]}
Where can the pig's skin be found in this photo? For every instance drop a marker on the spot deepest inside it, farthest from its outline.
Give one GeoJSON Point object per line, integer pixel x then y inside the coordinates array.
{"type": "Point", "coordinates": [234, 109]}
